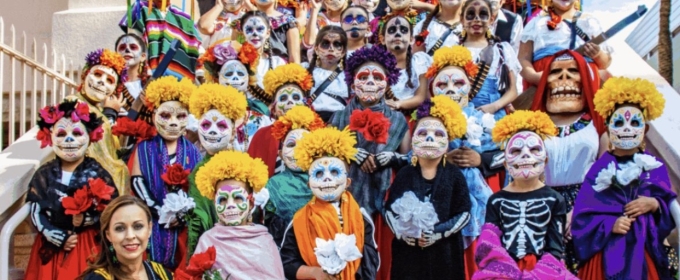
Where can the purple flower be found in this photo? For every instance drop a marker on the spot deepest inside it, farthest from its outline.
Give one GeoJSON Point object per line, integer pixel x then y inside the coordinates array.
{"type": "Point", "coordinates": [377, 54]}
{"type": "Point", "coordinates": [93, 58]}
{"type": "Point", "coordinates": [123, 76]}
{"type": "Point", "coordinates": [224, 53]}
{"type": "Point", "coordinates": [424, 109]}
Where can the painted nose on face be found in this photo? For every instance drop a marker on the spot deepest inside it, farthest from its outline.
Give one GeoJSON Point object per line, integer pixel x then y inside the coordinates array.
{"type": "Point", "coordinates": [69, 139]}
{"type": "Point", "coordinates": [212, 133]}
{"type": "Point", "coordinates": [326, 179]}
{"type": "Point", "coordinates": [429, 138]}
{"type": "Point", "coordinates": [173, 125]}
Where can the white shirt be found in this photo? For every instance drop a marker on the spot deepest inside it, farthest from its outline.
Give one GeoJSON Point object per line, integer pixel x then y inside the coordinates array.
{"type": "Point", "coordinates": [337, 87]}
{"type": "Point", "coordinates": [263, 67]}
{"type": "Point", "coordinates": [511, 61]}
{"type": "Point", "coordinates": [420, 62]}
{"type": "Point", "coordinates": [436, 30]}
{"type": "Point", "coordinates": [570, 157]}
{"type": "Point", "coordinates": [516, 32]}
{"type": "Point", "coordinates": [537, 31]}
{"type": "Point", "coordinates": [66, 177]}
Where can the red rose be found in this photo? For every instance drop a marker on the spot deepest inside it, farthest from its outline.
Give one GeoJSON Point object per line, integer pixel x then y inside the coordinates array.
{"type": "Point", "coordinates": [51, 114]}
{"type": "Point", "coordinates": [358, 120]}
{"type": "Point", "coordinates": [199, 263]}
{"type": "Point", "coordinates": [377, 129]}
{"type": "Point", "coordinates": [97, 134]}
{"type": "Point", "coordinates": [77, 204]}
{"type": "Point", "coordinates": [138, 129]}
{"type": "Point", "coordinates": [82, 112]}
{"type": "Point", "coordinates": [100, 192]}
{"type": "Point", "coordinates": [45, 137]}
{"type": "Point", "coordinates": [176, 176]}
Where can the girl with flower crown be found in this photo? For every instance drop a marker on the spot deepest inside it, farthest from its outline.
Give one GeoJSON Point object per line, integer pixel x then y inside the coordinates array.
{"type": "Point", "coordinates": [622, 213]}
{"type": "Point", "coordinates": [522, 237]}
{"type": "Point", "coordinates": [331, 237]}
{"type": "Point", "coordinates": [430, 247]}
{"type": "Point", "coordinates": [160, 167]}
{"type": "Point", "coordinates": [67, 194]}
{"type": "Point", "coordinates": [218, 108]}
{"type": "Point", "coordinates": [256, 30]}
{"type": "Point", "coordinates": [284, 39]}
{"type": "Point", "coordinates": [234, 247]}
{"type": "Point", "coordinates": [441, 28]}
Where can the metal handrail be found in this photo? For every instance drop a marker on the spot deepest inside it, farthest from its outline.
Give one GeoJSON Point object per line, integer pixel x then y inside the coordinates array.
{"type": "Point", "coordinates": [6, 238]}
{"type": "Point", "coordinates": [41, 68]}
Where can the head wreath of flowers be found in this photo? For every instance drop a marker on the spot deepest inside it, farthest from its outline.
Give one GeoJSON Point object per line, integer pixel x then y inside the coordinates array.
{"type": "Point", "coordinates": [168, 88]}
{"type": "Point", "coordinates": [409, 14]}
{"type": "Point", "coordinates": [287, 74]}
{"type": "Point", "coordinates": [74, 109]}
{"type": "Point", "coordinates": [447, 110]}
{"type": "Point", "coordinates": [619, 90]}
{"type": "Point", "coordinates": [452, 56]}
{"type": "Point", "coordinates": [534, 121]}
{"type": "Point", "coordinates": [325, 142]}
{"type": "Point", "coordinates": [376, 54]}
{"type": "Point", "coordinates": [296, 118]}
{"type": "Point", "coordinates": [290, 3]}
{"type": "Point", "coordinates": [234, 165]}
{"type": "Point", "coordinates": [217, 55]}
{"type": "Point", "coordinates": [226, 99]}
{"type": "Point", "coordinates": [106, 58]}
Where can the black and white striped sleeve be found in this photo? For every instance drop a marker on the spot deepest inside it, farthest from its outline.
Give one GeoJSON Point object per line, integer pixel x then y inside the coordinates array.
{"type": "Point", "coordinates": [53, 234]}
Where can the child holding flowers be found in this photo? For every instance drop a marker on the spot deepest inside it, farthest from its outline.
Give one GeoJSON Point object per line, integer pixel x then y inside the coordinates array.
{"type": "Point", "coordinates": [67, 194]}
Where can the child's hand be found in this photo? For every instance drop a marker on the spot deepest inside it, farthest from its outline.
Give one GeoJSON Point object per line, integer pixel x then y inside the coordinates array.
{"type": "Point", "coordinates": [78, 220]}
{"type": "Point", "coordinates": [369, 165]}
{"type": "Point", "coordinates": [115, 102]}
{"type": "Point", "coordinates": [491, 108]}
{"type": "Point", "coordinates": [394, 105]}
{"type": "Point", "coordinates": [622, 225]}
{"type": "Point", "coordinates": [71, 242]}
{"type": "Point", "coordinates": [642, 205]}
{"type": "Point", "coordinates": [316, 5]}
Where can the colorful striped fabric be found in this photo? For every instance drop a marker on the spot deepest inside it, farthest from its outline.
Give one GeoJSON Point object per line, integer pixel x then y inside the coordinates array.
{"type": "Point", "coordinates": [159, 31]}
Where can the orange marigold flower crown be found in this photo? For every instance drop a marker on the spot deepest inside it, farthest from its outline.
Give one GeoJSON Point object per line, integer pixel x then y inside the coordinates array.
{"type": "Point", "coordinates": [523, 120]}
{"type": "Point", "coordinates": [298, 117]}
{"type": "Point", "coordinates": [458, 56]}
{"type": "Point", "coordinates": [620, 90]}
{"type": "Point", "coordinates": [287, 74]}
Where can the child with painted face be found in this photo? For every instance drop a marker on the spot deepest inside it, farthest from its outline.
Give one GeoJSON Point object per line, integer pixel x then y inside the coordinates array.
{"type": "Point", "coordinates": [329, 93]}
{"type": "Point", "coordinates": [369, 73]}
{"type": "Point", "coordinates": [133, 50]}
{"type": "Point", "coordinates": [332, 15]}
{"type": "Point", "coordinates": [160, 167]}
{"type": "Point", "coordinates": [256, 29]}
{"type": "Point", "coordinates": [622, 213]}
{"type": "Point", "coordinates": [331, 215]}
{"type": "Point", "coordinates": [522, 237]}
{"type": "Point", "coordinates": [411, 88]}
{"type": "Point", "coordinates": [218, 23]}
{"type": "Point", "coordinates": [61, 209]}
{"type": "Point", "coordinates": [357, 24]}
{"type": "Point", "coordinates": [242, 250]}
{"type": "Point", "coordinates": [436, 251]}
{"type": "Point", "coordinates": [496, 84]}
{"type": "Point", "coordinates": [285, 35]}
{"type": "Point", "coordinates": [441, 28]}
{"type": "Point", "coordinates": [218, 108]}
{"type": "Point", "coordinates": [288, 189]}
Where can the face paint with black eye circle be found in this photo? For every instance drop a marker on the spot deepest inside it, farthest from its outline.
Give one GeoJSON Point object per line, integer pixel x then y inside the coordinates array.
{"type": "Point", "coordinates": [331, 49]}
{"type": "Point", "coordinates": [256, 31]}
{"type": "Point", "coordinates": [477, 17]}
{"type": "Point", "coordinates": [234, 73]}
{"type": "Point", "coordinates": [397, 34]}
{"type": "Point", "coordinates": [355, 23]}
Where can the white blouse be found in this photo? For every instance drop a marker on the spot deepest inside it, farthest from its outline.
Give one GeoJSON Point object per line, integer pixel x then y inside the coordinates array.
{"type": "Point", "coordinates": [511, 61]}
{"type": "Point", "coordinates": [263, 67]}
{"type": "Point", "coordinates": [436, 30]}
{"type": "Point", "coordinates": [537, 31]}
{"type": "Point", "coordinates": [570, 157]}
{"type": "Point", "coordinates": [420, 62]}
{"type": "Point", "coordinates": [337, 87]}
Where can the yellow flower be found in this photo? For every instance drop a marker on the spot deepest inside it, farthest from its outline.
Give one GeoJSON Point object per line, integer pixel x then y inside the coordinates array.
{"type": "Point", "coordinates": [168, 88]}
{"type": "Point", "coordinates": [287, 74]}
{"type": "Point", "coordinates": [325, 142]}
{"type": "Point", "coordinates": [234, 165]}
{"type": "Point", "coordinates": [620, 90]}
{"type": "Point", "coordinates": [451, 114]}
{"type": "Point", "coordinates": [226, 99]}
{"type": "Point", "coordinates": [537, 122]}
{"type": "Point", "coordinates": [297, 117]}
{"type": "Point", "coordinates": [452, 56]}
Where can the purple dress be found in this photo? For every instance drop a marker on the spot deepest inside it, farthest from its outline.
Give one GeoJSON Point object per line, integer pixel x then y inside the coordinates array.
{"type": "Point", "coordinates": [596, 212]}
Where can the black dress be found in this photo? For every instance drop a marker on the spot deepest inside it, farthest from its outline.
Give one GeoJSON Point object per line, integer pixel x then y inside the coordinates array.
{"type": "Point", "coordinates": [154, 271]}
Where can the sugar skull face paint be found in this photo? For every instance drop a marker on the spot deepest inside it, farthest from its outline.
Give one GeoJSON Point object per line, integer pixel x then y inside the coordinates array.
{"type": "Point", "coordinates": [397, 34]}
{"type": "Point", "coordinates": [215, 131]}
{"type": "Point", "coordinates": [430, 139]}
{"type": "Point", "coordinates": [287, 97]}
{"type": "Point", "coordinates": [131, 50]}
{"type": "Point", "coordinates": [626, 127]}
{"type": "Point", "coordinates": [232, 202]}
{"type": "Point", "coordinates": [171, 119]}
{"type": "Point", "coordinates": [525, 156]}
{"type": "Point", "coordinates": [454, 83]}
{"type": "Point", "coordinates": [331, 49]}
{"type": "Point", "coordinates": [69, 140]}
{"type": "Point", "coordinates": [355, 23]}
{"type": "Point", "coordinates": [100, 82]}
{"type": "Point", "coordinates": [335, 5]}
{"type": "Point", "coordinates": [370, 82]}
{"type": "Point", "coordinates": [287, 150]}
{"type": "Point", "coordinates": [232, 5]}
{"type": "Point", "coordinates": [256, 31]}
{"type": "Point", "coordinates": [477, 17]}
{"type": "Point", "coordinates": [233, 73]}
{"type": "Point", "coordinates": [328, 178]}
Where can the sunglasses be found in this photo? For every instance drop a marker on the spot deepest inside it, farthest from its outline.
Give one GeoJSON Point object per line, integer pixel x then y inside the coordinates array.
{"type": "Point", "coordinates": [359, 19]}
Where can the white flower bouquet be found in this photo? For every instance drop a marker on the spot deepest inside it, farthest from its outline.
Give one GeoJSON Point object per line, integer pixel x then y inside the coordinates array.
{"type": "Point", "coordinates": [413, 216]}
{"type": "Point", "coordinates": [333, 255]}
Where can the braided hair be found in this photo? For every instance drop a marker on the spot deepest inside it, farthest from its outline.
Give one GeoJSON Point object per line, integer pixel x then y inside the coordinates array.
{"type": "Point", "coordinates": [329, 29]}
{"type": "Point", "coordinates": [428, 20]}
{"type": "Point", "coordinates": [409, 52]}
{"type": "Point", "coordinates": [144, 68]}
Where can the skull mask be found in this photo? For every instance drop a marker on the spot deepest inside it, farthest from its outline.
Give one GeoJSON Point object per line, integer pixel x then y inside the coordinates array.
{"type": "Point", "coordinates": [256, 31]}
{"type": "Point", "coordinates": [525, 156]}
{"type": "Point", "coordinates": [70, 140]}
{"type": "Point", "coordinates": [233, 6]}
{"type": "Point", "coordinates": [287, 97]}
{"type": "Point", "coordinates": [430, 139]}
{"type": "Point", "coordinates": [234, 73]}
{"type": "Point", "coordinates": [564, 87]}
{"type": "Point", "coordinates": [287, 150]}
{"type": "Point", "coordinates": [232, 202]}
{"type": "Point", "coordinates": [100, 82]}
{"type": "Point", "coordinates": [215, 131]}
{"type": "Point", "coordinates": [171, 120]}
{"type": "Point", "coordinates": [454, 83]}
{"type": "Point", "coordinates": [370, 82]}
{"type": "Point", "coordinates": [131, 50]}
{"type": "Point", "coordinates": [328, 178]}
{"type": "Point", "coordinates": [626, 127]}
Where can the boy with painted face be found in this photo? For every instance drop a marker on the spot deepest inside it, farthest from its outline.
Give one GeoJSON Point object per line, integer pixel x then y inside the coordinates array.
{"type": "Point", "coordinates": [69, 128]}
{"type": "Point", "coordinates": [152, 179]}
{"type": "Point", "coordinates": [622, 213]}
{"type": "Point", "coordinates": [438, 252]}
{"type": "Point", "coordinates": [330, 92]}
{"type": "Point", "coordinates": [233, 181]}
{"type": "Point", "coordinates": [218, 23]}
{"type": "Point", "coordinates": [218, 108]}
{"type": "Point", "coordinates": [522, 237]}
{"type": "Point", "coordinates": [324, 154]}
{"type": "Point", "coordinates": [101, 81]}
{"type": "Point", "coordinates": [357, 23]}
{"type": "Point", "coordinates": [288, 190]}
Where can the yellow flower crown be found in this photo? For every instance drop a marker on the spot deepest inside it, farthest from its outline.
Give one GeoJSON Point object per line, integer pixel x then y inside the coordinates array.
{"type": "Point", "coordinates": [325, 142]}
{"type": "Point", "coordinates": [452, 56]}
{"type": "Point", "coordinates": [234, 165]}
{"type": "Point", "coordinates": [227, 100]}
{"type": "Point", "coordinates": [297, 117]}
{"type": "Point", "coordinates": [168, 88]}
{"type": "Point", "coordinates": [619, 90]}
{"type": "Point", "coordinates": [286, 74]}
{"type": "Point", "coordinates": [534, 121]}
{"type": "Point", "coordinates": [450, 113]}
